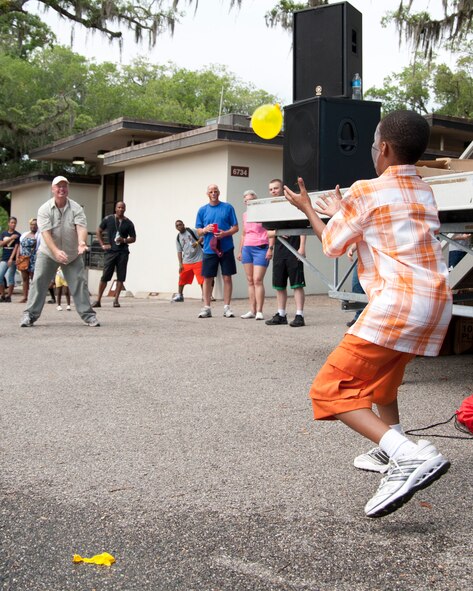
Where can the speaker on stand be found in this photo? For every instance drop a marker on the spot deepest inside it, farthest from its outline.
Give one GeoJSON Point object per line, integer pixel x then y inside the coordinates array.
{"type": "Point", "coordinates": [327, 50]}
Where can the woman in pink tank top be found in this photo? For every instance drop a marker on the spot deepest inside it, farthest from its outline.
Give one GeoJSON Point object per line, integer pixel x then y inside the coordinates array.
{"type": "Point", "coordinates": [255, 252]}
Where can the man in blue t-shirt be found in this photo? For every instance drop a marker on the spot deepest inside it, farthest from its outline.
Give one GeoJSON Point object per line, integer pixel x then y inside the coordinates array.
{"type": "Point", "coordinates": [217, 222]}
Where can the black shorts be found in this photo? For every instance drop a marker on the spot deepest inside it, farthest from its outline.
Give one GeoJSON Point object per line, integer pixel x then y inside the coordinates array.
{"type": "Point", "coordinates": [288, 268]}
{"type": "Point", "coordinates": [227, 263]}
{"type": "Point", "coordinates": [115, 260]}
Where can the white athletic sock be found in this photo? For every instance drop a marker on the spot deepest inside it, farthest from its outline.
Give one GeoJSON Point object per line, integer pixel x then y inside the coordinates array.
{"type": "Point", "coordinates": [282, 312]}
{"type": "Point", "coordinates": [396, 445]}
{"type": "Point", "coordinates": [300, 313]}
{"type": "Point", "coordinates": [398, 428]}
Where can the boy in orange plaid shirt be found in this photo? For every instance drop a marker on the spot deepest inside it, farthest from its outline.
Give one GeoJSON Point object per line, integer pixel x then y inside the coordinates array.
{"type": "Point", "coordinates": [393, 220]}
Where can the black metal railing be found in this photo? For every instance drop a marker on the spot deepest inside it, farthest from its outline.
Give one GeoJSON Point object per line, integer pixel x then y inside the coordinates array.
{"type": "Point", "coordinates": [94, 257]}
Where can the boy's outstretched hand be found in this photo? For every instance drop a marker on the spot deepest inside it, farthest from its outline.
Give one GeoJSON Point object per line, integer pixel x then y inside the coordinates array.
{"type": "Point", "coordinates": [327, 204]}
{"type": "Point", "coordinates": [300, 200]}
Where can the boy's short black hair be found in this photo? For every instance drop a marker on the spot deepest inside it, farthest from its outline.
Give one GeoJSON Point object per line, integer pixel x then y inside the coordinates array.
{"type": "Point", "coordinates": [407, 132]}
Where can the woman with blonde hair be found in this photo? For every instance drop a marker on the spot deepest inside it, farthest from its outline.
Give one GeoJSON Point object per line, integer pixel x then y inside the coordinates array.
{"type": "Point", "coordinates": [26, 256]}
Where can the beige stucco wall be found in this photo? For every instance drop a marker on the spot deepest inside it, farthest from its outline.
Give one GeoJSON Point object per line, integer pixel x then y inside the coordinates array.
{"type": "Point", "coordinates": [169, 187]}
{"type": "Point", "coordinates": [26, 201]}
{"type": "Point", "coordinates": [156, 194]}
{"type": "Point", "coordinates": [174, 187]}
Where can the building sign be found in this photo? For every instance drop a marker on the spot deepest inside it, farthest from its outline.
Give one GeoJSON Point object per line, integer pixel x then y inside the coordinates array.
{"type": "Point", "coordinates": [240, 171]}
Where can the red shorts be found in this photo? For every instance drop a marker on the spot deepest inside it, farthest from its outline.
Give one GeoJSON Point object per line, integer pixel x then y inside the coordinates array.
{"type": "Point", "coordinates": [189, 271]}
{"type": "Point", "coordinates": [357, 374]}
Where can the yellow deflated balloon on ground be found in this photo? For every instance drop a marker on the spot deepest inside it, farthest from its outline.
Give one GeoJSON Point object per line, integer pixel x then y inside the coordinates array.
{"type": "Point", "coordinates": [104, 559]}
{"type": "Point", "coordinates": [266, 121]}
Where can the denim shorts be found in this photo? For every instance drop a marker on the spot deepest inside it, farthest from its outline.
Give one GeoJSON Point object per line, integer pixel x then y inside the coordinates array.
{"type": "Point", "coordinates": [7, 272]}
{"type": "Point", "coordinates": [255, 255]}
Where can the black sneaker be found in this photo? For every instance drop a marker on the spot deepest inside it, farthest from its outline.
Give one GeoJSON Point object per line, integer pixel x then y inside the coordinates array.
{"type": "Point", "coordinates": [7, 299]}
{"type": "Point", "coordinates": [298, 321]}
{"type": "Point", "coordinates": [276, 319]}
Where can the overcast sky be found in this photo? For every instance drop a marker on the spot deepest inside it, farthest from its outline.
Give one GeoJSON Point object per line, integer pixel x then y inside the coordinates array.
{"type": "Point", "coordinates": [240, 40]}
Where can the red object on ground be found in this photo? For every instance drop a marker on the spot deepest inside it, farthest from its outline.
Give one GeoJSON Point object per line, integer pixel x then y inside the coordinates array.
{"type": "Point", "coordinates": [465, 413]}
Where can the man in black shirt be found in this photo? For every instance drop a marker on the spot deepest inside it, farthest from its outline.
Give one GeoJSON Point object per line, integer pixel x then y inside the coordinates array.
{"type": "Point", "coordinates": [120, 232]}
{"type": "Point", "coordinates": [286, 266]}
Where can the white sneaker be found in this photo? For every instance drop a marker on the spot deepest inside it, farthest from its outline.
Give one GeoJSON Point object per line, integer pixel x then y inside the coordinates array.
{"type": "Point", "coordinates": [26, 320]}
{"type": "Point", "coordinates": [405, 477]}
{"type": "Point", "coordinates": [68, 308]}
{"type": "Point", "coordinates": [59, 308]}
{"type": "Point", "coordinates": [374, 460]}
{"type": "Point", "coordinates": [259, 316]}
{"type": "Point", "coordinates": [247, 315]}
{"type": "Point", "coordinates": [205, 313]}
{"type": "Point", "coordinates": [227, 313]}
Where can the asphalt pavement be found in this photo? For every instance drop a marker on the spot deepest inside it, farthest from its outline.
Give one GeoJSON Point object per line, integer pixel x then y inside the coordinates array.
{"type": "Point", "coordinates": [186, 448]}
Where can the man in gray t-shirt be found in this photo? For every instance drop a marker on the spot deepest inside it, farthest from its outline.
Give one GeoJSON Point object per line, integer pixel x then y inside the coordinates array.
{"type": "Point", "coordinates": [63, 228]}
{"type": "Point", "coordinates": [189, 254]}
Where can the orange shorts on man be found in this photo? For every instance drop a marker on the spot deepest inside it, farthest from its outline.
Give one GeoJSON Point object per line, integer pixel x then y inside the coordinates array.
{"type": "Point", "coordinates": [189, 256]}
{"type": "Point", "coordinates": [189, 271]}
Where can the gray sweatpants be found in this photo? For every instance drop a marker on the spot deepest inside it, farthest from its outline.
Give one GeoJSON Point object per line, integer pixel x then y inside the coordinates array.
{"type": "Point", "coordinates": [74, 274]}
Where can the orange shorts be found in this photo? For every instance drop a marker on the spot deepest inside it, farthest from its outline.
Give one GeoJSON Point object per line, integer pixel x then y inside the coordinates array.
{"type": "Point", "coordinates": [189, 271]}
{"type": "Point", "coordinates": [357, 374]}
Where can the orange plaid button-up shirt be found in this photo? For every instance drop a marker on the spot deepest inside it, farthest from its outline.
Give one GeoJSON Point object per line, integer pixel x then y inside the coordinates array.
{"type": "Point", "coordinates": [394, 219]}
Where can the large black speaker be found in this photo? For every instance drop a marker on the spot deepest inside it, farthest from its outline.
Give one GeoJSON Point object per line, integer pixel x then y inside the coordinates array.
{"type": "Point", "coordinates": [327, 141]}
{"type": "Point", "coordinates": [327, 50]}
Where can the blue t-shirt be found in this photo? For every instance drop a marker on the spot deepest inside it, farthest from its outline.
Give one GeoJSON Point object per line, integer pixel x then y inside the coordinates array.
{"type": "Point", "coordinates": [222, 214]}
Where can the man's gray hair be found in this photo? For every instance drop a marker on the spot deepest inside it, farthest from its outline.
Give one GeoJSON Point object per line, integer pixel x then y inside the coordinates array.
{"type": "Point", "coordinates": [250, 192]}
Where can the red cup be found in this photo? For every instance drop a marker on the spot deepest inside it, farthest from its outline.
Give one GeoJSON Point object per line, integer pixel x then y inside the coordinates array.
{"type": "Point", "coordinates": [215, 228]}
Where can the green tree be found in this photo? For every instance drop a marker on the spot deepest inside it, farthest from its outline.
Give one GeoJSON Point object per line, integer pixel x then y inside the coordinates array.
{"type": "Point", "coordinates": [21, 30]}
{"type": "Point", "coordinates": [453, 89]}
{"type": "Point", "coordinates": [409, 89]}
{"type": "Point", "coordinates": [57, 92]}
{"type": "Point", "coordinates": [428, 33]}
{"type": "Point", "coordinates": [38, 101]}
{"type": "Point", "coordinates": [281, 14]}
{"type": "Point", "coordinates": [427, 86]}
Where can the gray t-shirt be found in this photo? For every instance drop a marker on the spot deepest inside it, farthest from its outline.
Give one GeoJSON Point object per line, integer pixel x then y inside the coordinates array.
{"type": "Point", "coordinates": [184, 243]}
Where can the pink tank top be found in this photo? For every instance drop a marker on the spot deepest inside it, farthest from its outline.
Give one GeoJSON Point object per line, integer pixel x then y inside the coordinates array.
{"type": "Point", "coordinates": [255, 234]}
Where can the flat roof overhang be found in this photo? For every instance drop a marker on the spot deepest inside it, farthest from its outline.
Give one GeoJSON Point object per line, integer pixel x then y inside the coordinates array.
{"type": "Point", "coordinates": [114, 135]}
{"type": "Point", "coordinates": [34, 179]}
{"type": "Point", "coordinates": [189, 141]}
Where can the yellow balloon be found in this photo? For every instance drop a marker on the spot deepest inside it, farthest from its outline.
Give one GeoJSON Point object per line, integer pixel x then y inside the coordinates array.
{"type": "Point", "coordinates": [266, 121]}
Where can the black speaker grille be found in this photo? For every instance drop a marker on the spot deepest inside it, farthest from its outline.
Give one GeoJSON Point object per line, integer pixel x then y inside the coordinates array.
{"type": "Point", "coordinates": [302, 140]}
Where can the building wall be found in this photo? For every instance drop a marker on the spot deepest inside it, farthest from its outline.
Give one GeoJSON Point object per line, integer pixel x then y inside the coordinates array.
{"type": "Point", "coordinates": [157, 193]}
{"type": "Point", "coordinates": [27, 200]}
{"type": "Point", "coordinates": [174, 187]}
{"type": "Point", "coordinates": [170, 187]}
